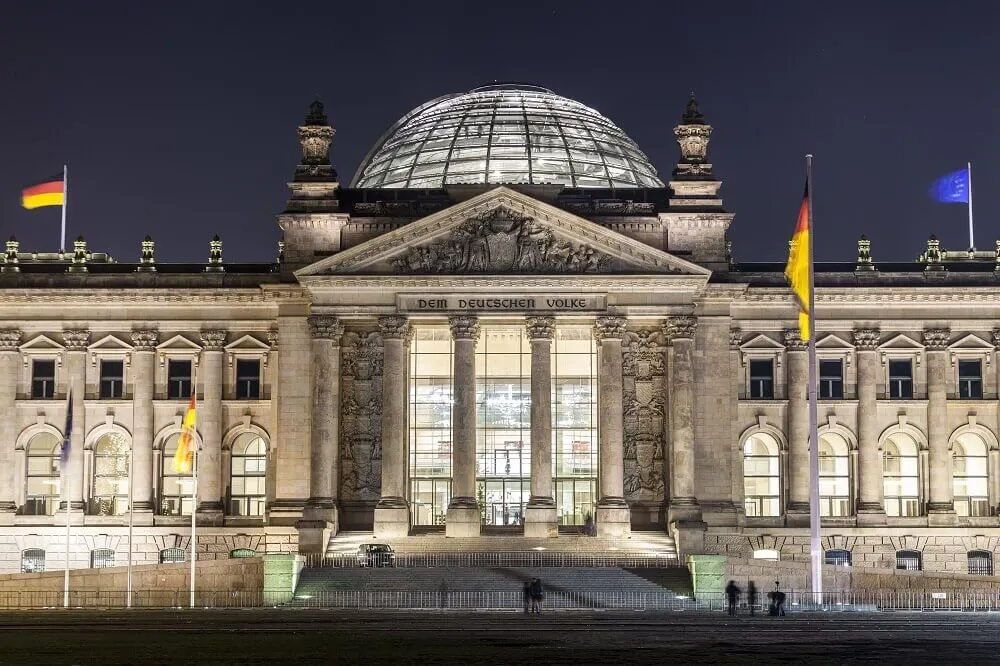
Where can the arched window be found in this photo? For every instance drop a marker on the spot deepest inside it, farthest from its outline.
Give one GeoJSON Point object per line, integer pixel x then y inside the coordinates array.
{"type": "Point", "coordinates": [101, 558]}
{"type": "Point", "coordinates": [241, 553]}
{"type": "Point", "coordinates": [834, 475]}
{"type": "Point", "coordinates": [761, 476]}
{"type": "Point", "coordinates": [909, 560]}
{"type": "Point", "coordinates": [980, 562]}
{"type": "Point", "coordinates": [41, 497]}
{"type": "Point", "coordinates": [837, 557]}
{"type": "Point", "coordinates": [110, 494]}
{"type": "Point", "coordinates": [970, 476]}
{"type": "Point", "coordinates": [32, 560]}
{"type": "Point", "coordinates": [901, 476]}
{"type": "Point", "coordinates": [172, 556]}
{"type": "Point", "coordinates": [175, 488]}
{"type": "Point", "coordinates": [249, 467]}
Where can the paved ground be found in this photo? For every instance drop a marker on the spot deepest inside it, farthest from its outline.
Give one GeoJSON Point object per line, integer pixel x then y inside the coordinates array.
{"type": "Point", "coordinates": [617, 638]}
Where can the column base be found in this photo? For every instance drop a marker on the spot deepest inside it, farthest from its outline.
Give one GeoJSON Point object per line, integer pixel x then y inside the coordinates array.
{"type": "Point", "coordinates": [689, 537]}
{"type": "Point", "coordinates": [683, 510]}
{"type": "Point", "coordinates": [322, 509]}
{"type": "Point", "coordinates": [285, 511]}
{"type": "Point", "coordinates": [870, 514]}
{"type": "Point", "coordinates": [797, 514]}
{"type": "Point", "coordinates": [540, 521]}
{"type": "Point", "coordinates": [392, 518]}
{"type": "Point", "coordinates": [941, 514]}
{"type": "Point", "coordinates": [463, 518]}
{"type": "Point", "coordinates": [142, 517]}
{"type": "Point", "coordinates": [210, 513]}
{"type": "Point", "coordinates": [614, 518]}
{"type": "Point", "coordinates": [314, 535]}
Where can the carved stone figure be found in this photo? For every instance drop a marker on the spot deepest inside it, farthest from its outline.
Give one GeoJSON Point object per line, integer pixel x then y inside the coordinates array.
{"type": "Point", "coordinates": [644, 411]}
{"type": "Point", "coordinates": [361, 429]}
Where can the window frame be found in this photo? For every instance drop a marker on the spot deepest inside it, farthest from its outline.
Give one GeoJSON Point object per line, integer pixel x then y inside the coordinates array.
{"type": "Point", "coordinates": [838, 557]}
{"type": "Point", "coordinates": [245, 499]}
{"type": "Point", "coordinates": [759, 498]}
{"type": "Point", "coordinates": [890, 378]}
{"type": "Point", "coordinates": [977, 506]}
{"type": "Point", "coordinates": [237, 379]}
{"type": "Point", "coordinates": [51, 500]}
{"type": "Point", "coordinates": [163, 556]}
{"type": "Point", "coordinates": [34, 554]}
{"type": "Point", "coordinates": [772, 378]}
{"type": "Point", "coordinates": [982, 555]}
{"type": "Point", "coordinates": [184, 386]}
{"type": "Point", "coordinates": [34, 372]}
{"type": "Point", "coordinates": [827, 501]}
{"type": "Point", "coordinates": [166, 459]}
{"type": "Point", "coordinates": [969, 381]}
{"type": "Point", "coordinates": [102, 558]}
{"type": "Point", "coordinates": [101, 362]}
{"type": "Point", "coordinates": [119, 502]}
{"type": "Point", "coordinates": [905, 556]}
{"type": "Point", "coordinates": [900, 500]}
{"type": "Point", "coordinates": [840, 378]}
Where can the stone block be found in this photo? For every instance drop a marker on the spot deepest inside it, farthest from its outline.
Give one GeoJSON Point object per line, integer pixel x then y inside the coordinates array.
{"type": "Point", "coordinates": [463, 522]}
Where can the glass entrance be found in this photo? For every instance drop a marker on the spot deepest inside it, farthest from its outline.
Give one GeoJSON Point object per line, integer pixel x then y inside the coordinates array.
{"type": "Point", "coordinates": [575, 500]}
{"type": "Point", "coordinates": [504, 501]}
{"type": "Point", "coordinates": [430, 501]}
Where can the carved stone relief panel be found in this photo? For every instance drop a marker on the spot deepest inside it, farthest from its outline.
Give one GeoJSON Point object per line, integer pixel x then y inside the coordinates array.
{"type": "Point", "coordinates": [644, 412]}
{"type": "Point", "coordinates": [361, 408]}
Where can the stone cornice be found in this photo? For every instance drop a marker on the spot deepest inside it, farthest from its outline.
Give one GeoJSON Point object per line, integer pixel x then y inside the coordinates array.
{"type": "Point", "coordinates": [286, 292]}
{"type": "Point", "coordinates": [84, 296]}
{"type": "Point", "coordinates": [879, 295]}
{"type": "Point", "coordinates": [489, 284]}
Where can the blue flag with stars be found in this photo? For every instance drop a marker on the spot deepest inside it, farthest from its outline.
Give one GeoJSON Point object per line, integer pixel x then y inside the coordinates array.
{"type": "Point", "coordinates": [953, 188]}
{"type": "Point", "coordinates": [64, 453]}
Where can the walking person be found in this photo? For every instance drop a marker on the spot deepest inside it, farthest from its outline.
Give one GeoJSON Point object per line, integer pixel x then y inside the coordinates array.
{"type": "Point", "coordinates": [526, 596]}
{"type": "Point", "coordinates": [537, 594]}
{"type": "Point", "coordinates": [751, 597]}
{"type": "Point", "coordinates": [732, 596]}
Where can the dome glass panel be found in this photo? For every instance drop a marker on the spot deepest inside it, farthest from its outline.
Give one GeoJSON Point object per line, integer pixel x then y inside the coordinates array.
{"type": "Point", "coordinates": [505, 134]}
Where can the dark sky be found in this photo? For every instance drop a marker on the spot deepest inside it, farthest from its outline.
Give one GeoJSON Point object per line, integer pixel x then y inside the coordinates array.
{"type": "Point", "coordinates": [178, 119]}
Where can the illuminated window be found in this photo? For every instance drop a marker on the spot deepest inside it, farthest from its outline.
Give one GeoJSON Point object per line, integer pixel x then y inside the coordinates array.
{"type": "Point", "coordinates": [241, 553]}
{"type": "Point", "coordinates": [175, 487]}
{"type": "Point", "coordinates": [901, 476]}
{"type": "Point", "coordinates": [574, 423]}
{"type": "Point", "coordinates": [980, 562]}
{"type": "Point", "coordinates": [102, 558]}
{"type": "Point", "coordinates": [110, 490]}
{"type": "Point", "coordinates": [971, 476]}
{"type": "Point", "coordinates": [172, 556]}
{"type": "Point", "coordinates": [834, 476]}
{"type": "Point", "coordinates": [42, 482]}
{"type": "Point", "coordinates": [430, 424]}
{"type": "Point", "coordinates": [837, 557]}
{"type": "Point", "coordinates": [909, 560]}
{"type": "Point", "coordinates": [761, 476]}
{"type": "Point", "coordinates": [32, 560]}
{"type": "Point", "coordinates": [248, 476]}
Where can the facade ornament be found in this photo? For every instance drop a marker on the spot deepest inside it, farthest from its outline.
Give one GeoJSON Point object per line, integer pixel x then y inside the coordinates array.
{"type": "Point", "coordinates": [315, 135]}
{"type": "Point", "coordinates": [281, 252]}
{"type": "Point", "coordinates": [394, 327]}
{"type": "Point", "coordinates": [361, 431]}
{"type": "Point", "coordinates": [936, 339]}
{"type": "Point", "coordinates": [864, 255]}
{"type": "Point", "coordinates": [325, 327]}
{"type": "Point", "coordinates": [464, 327]}
{"type": "Point", "coordinates": [682, 326]}
{"type": "Point", "coordinates": [215, 255]}
{"type": "Point", "coordinates": [540, 328]}
{"type": "Point", "coordinates": [10, 256]}
{"type": "Point", "coordinates": [794, 341]}
{"type": "Point", "coordinates": [729, 252]}
{"type": "Point", "coordinates": [272, 338]}
{"type": "Point", "coordinates": [610, 328]}
{"type": "Point", "coordinates": [932, 256]}
{"type": "Point", "coordinates": [692, 136]}
{"type": "Point", "coordinates": [80, 256]}
{"type": "Point", "coordinates": [735, 337]}
{"type": "Point", "coordinates": [644, 409]}
{"type": "Point", "coordinates": [147, 258]}
{"type": "Point", "coordinates": [213, 339]}
{"type": "Point", "coordinates": [500, 241]}
{"type": "Point", "coordinates": [866, 339]}
{"type": "Point", "coordinates": [10, 339]}
{"type": "Point", "coordinates": [76, 340]}
{"type": "Point", "coordinates": [145, 340]}
{"type": "Point", "coordinates": [996, 338]}
{"type": "Point", "coordinates": [996, 258]}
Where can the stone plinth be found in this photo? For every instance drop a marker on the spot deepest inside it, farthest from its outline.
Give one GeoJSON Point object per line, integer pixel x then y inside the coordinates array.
{"type": "Point", "coordinates": [540, 521]}
{"type": "Point", "coordinates": [462, 521]}
{"type": "Point", "coordinates": [614, 522]}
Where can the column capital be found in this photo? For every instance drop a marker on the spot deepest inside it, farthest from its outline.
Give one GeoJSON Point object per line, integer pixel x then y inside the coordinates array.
{"type": "Point", "coordinates": [996, 337]}
{"type": "Point", "coordinates": [936, 339]}
{"type": "Point", "coordinates": [679, 327]}
{"type": "Point", "coordinates": [10, 339]}
{"type": "Point", "coordinates": [735, 337]}
{"type": "Point", "coordinates": [145, 340]}
{"type": "Point", "coordinates": [76, 339]}
{"type": "Point", "coordinates": [464, 327]}
{"type": "Point", "coordinates": [866, 339]}
{"type": "Point", "coordinates": [326, 327]}
{"type": "Point", "coordinates": [394, 327]}
{"type": "Point", "coordinates": [213, 339]}
{"type": "Point", "coordinates": [610, 328]}
{"type": "Point", "coordinates": [540, 328]}
{"type": "Point", "coordinates": [794, 341]}
{"type": "Point", "coordinates": [272, 337]}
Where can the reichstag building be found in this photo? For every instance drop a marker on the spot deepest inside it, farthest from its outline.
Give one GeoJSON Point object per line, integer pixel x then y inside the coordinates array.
{"type": "Point", "coordinates": [509, 322]}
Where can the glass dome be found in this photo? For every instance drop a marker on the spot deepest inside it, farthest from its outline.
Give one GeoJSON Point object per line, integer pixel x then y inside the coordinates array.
{"type": "Point", "coordinates": [505, 134]}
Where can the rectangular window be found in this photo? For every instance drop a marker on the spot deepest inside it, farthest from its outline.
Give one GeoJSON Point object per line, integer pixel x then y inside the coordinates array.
{"type": "Point", "coordinates": [831, 379]}
{"type": "Point", "coordinates": [178, 379]}
{"type": "Point", "coordinates": [247, 379]}
{"type": "Point", "coordinates": [762, 379]}
{"type": "Point", "coordinates": [900, 379]}
{"type": "Point", "coordinates": [112, 379]}
{"type": "Point", "coordinates": [970, 379]}
{"type": "Point", "coordinates": [43, 379]}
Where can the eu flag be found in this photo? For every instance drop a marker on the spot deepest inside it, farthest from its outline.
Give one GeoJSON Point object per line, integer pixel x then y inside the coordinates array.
{"type": "Point", "coordinates": [953, 188]}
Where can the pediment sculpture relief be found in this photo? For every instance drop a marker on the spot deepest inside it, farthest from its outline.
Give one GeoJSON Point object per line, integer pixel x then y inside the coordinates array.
{"type": "Point", "coordinates": [500, 241]}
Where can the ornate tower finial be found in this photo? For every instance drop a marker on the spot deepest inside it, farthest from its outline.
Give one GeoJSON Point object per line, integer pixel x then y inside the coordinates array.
{"type": "Point", "coordinates": [215, 255]}
{"type": "Point", "coordinates": [864, 255]}
{"type": "Point", "coordinates": [315, 135]}
{"type": "Point", "coordinates": [10, 256]}
{"type": "Point", "coordinates": [147, 257]}
{"type": "Point", "coordinates": [316, 115]}
{"type": "Point", "coordinates": [692, 116]}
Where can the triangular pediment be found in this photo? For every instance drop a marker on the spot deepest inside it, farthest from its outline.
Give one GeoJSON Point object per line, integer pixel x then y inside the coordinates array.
{"type": "Point", "coordinates": [178, 343]}
{"type": "Point", "coordinates": [761, 343]}
{"type": "Point", "coordinates": [247, 343]}
{"type": "Point", "coordinates": [900, 343]}
{"type": "Point", "coordinates": [110, 343]}
{"type": "Point", "coordinates": [502, 232]}
{"type": "Point", "coordinates": [41, 343]}
{"type": "Point", "coordinates": [833, 342]}
{"type": "Point", "coordinates": [972, 343]}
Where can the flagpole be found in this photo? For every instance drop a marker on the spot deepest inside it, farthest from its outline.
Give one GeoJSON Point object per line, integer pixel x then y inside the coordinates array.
{"type": "Point", "coordinates": [194, 485]}
{"type": "Point", "coordinates": [62, 237]}
{"type": "Point", "coordinates": [816, 548]}
{"type": "Point", "coordinates": [65, 471]}
{"type": "Point", "coordinates": [131, 512]}
{"type": "Point", "coordinates": [972, 239]}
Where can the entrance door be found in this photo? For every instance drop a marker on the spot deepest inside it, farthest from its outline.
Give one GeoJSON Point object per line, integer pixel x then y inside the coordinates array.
{"type": "Point", "coordinates": [504, 501]}
{"type": "Point", "coordinates": [429, 505]}
{"type": "Point", "coordinates": [575, 500]}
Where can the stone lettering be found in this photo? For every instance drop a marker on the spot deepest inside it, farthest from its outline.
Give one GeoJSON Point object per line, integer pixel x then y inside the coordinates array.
{"type": "Point", "coordinates": [516, 303]}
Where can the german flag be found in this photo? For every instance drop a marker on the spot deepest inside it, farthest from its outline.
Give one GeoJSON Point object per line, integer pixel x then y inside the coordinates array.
{"type": "Point", "coordinates": [50, 193]}
{"type": "Point", "coordinates": [184, 456]}
{"type": "Point", "coordinates": [798, 266]}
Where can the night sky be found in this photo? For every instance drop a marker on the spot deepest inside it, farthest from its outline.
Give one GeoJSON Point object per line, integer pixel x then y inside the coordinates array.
{"type": "Point", "coordinates": [178, 119]}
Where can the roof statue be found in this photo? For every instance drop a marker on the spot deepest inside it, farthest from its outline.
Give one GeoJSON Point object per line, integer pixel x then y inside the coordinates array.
{"type": "Point", "coordinates": [316, 115]}
{"type": "Point", "coordinates": [692, 116]}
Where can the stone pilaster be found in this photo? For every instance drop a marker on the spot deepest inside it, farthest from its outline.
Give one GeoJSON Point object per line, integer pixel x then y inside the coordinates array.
{"type": "Point", "coordinates": [797, 363]}
{"type": "Point", "coordinates": [941, 506]}
{"type": "Point", "coordinates": [143, 369]}
{"type": "Point", "coordinates": [292, 400]}
{"type": "Point", "coordinates": [321, 514]}
{"type": "Point", "coordinates": [210, 510]}
{"type": "Point", "coordinates": [463, 519]}
{"type": "Point", "coordinates": [683, 507]}
{"type": "Point", "coordinates": [392, 513]}
{"type": "Point", "coordinates": [540, 519]}
{"type": "Point", "coordinates": [735, 388]}
{"type": "Point", "coordinates": [870, 479]}
{"type": "Point", "coordinates": [76, 342]}
{"type": "Point", "coordinates": [613, 515]}
{"type": "Point", "coordinates": [10, 358]}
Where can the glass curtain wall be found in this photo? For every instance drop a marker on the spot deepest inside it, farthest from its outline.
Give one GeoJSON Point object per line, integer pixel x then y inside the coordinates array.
{"type": "Point", "coordinates": [430, 424]}
{"type": "Point", "coordinates": [574, 423]}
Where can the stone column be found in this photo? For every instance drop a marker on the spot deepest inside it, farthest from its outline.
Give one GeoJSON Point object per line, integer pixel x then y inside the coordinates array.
{"type": "Point", "coordinates": [870, 483]}
{"type": "Point", "coordinates": [463, 519]}
{"type": "Point", "coordinates": [797, 363]}
{"type": "Point", "coordinates": [683, 507]}
{"type": "Point", "coordinates": [613, 515]}
{"type": "Point", "coordinates": [540, 518]}
{"type": "Point", "coordinates": [941, 507]}
{"type": "Point", "coordinates": [392, 513]}
{"type": "Point", "coordinates": [143, 369]}
{"type": "Point", "coordinates": [10, 359]}
{"type": "Point", "coordinates": [210, 510]}
{"type": "Point", "coordinates": [76, 342]}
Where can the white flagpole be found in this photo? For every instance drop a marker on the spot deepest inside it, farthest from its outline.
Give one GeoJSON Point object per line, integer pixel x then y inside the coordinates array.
{"type": "Point", "coordinates": [62, 236]}
{"type": "Point", "coordinates": [816, 546]}
{"type": "Point", "coordinates": [65, 471]}
{"type": "Point", "coordinates": [131, 513]}
{"type": "Point", "coordinates": [972, 239]}
{"type": "Point", "coordinates": [194, 484]}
